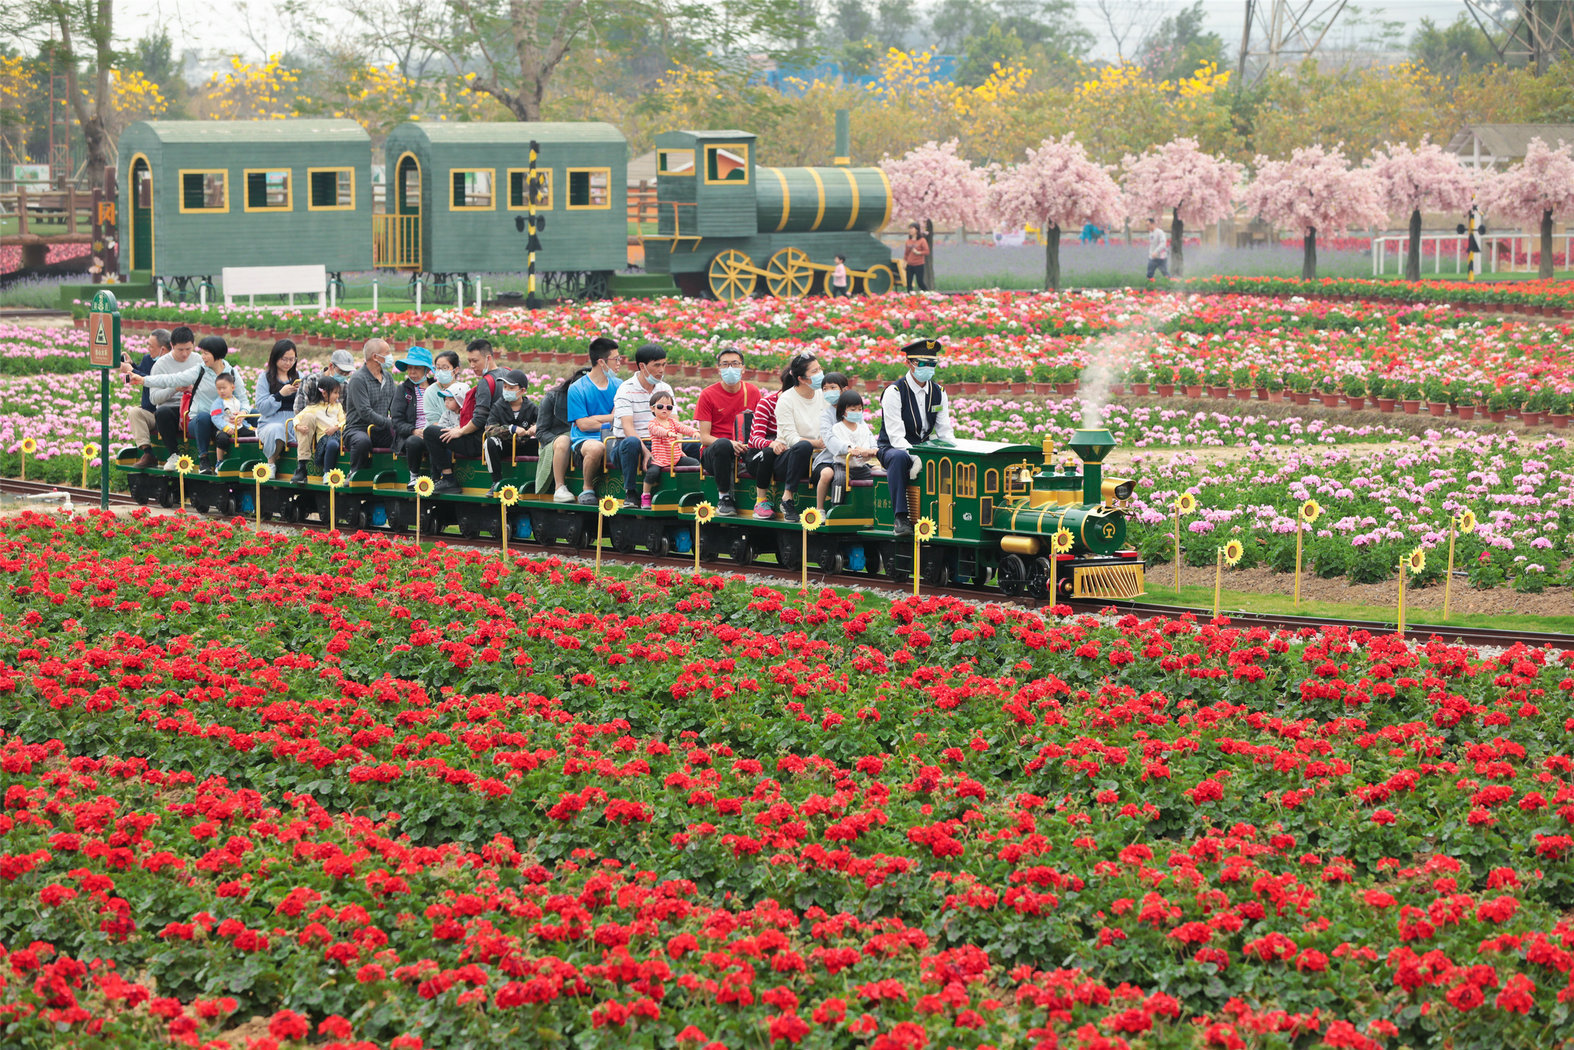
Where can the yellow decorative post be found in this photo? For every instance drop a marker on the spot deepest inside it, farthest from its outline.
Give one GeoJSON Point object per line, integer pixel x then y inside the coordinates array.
{"type": "Point", "coordinates": [1412, 564]}
{"type": "Point", "coordinates": [1308, 514]}
{"type": "Point", "coordinates": [923, 532]}
{"type": "Point", "coordinates": [183, 466]}
{"type": "Point", "coordinates": [608, 506]}
{"type": "Point", "coordinates": [1229, 554]}
{"type": "Point", "coordinates": [703, 513]}
{"type": "Point", "coordinates": [29, 446]}
{"type": "Point", "coordinates": [259, 474]}
{"type": "Point", "coordinates": [808, 521]}
{"type": "Point", "coordinates": [88, 452]}
{"type": "Point", "coordinates": [424, 487]}
{"type": "Point", "coordinates": [1060, 543]}
{"type": "Point", "coordinates": [333, 479]}
{"type": "Point", "coordinates": [1464, 522]}
{"type": "Point", "coordinates": [1185, 504]}
{"type": "Point", "coordinates": [507, 496]}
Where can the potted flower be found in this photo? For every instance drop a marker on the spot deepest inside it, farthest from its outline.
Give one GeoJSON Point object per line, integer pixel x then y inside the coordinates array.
{"type": "Point", "coordinates": [1355, 389]}
{"type": "Point", "coordinates": [1274, 384]}
{"type": "Point", "coordinates": [1218, 383]}
{"type": "Point", "coordinates": [1164, 379]}
{"type": "Point", "coordinates": [1562, 408]}
{"type": "Point", "coordinates": [1065, 379]}
{"type": "Point", "coordinates": [1191, 380]}
{"type": "Point", "coordinates": [1241, 381]}
{"type": "Point", "coordinates": [1497, 405]}
{"type": "Point", "coordinates": [1139, 381]}
{"type": "Point", "coordinates": [1436, 393]}
{"type": "Point", "coordinates": [1463, 396]}
{"type": "Point", "coordinates": [1410, 397]}
{"type": "Point", "coordinates": [1300, 388]}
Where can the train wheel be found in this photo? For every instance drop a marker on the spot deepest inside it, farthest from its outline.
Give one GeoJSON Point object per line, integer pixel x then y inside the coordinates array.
{"type": "Point", "coordinates": [1038, 578]}
{"type": "Point", "coordinates": [166, 496]}
{"type": "Point", "coordinates": [894, 571]}
{"type": "Point", "coordinates": [740, 550]}
{"type": "Point", "coordinates": [787, 553]}
{"type": "Point", "coordinates": [881, 279]}
{"type": "Point", "coordinates": [934, 568]}
{"type": "Point", "coordinates": [228, 506]}
{"type": "Point", "coordinates": [198, 501]}
{"type": "Point", "coordinates": [1012, 574]}
{"type": "Point", "coordinates": [732, 276]}
{"type": "Point", "coordinates": [789, 275]}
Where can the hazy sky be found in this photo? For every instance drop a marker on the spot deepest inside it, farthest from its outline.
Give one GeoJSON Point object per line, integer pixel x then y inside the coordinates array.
{"type": "Point", "coordinates": [252, 28]}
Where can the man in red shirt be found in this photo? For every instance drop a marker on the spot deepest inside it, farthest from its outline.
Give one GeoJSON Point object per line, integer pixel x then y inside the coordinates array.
{"type": "Point", "coordinates": [721, 406]}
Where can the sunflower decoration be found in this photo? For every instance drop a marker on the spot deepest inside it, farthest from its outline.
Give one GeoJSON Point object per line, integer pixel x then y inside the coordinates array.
{"type": "Point", "coordinates": [89, 451]}
{"type": "Point", "coordinates": [259, 471]}
{"type": "Point", "coordinates": [1233, 552]}
{"type": "Point", "coordinates": [811, 519]}
{"type": "Point", "coordinates": [924, 530]}
{"type": "Point", "coordinates": [1466, 521]}
{"type": "Point", "coordinates": [704, 512]}
{"type": "Point", "coordinates": [1414, 562]}
{"type": "Point", "coordinates": [1062, 541]}
{"type": "Point", "coordinates": [29, 446]}
{"type": "Point", "coordinates": [424, 487]}
{"type": "Point", "coordinates": [185, 465]}
{"type": "Point", "coordinates": [1311, 510]}
{"type": "Point", "coordinates": [508, 495]}
{"type": "Point", "coordinates": [1186, 503]}
{"type": "Point", "coordinates": [608, 506]}
{"type": "Point", "coordinates": [334, 479]}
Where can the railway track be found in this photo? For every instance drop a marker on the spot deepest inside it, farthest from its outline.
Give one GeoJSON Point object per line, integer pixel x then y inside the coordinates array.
{"type": "Point", "coordinates": [1496, 637]}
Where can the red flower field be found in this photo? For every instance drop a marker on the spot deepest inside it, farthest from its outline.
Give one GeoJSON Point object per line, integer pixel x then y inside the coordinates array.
{"type": "Point", "coordinates": [279, 790]}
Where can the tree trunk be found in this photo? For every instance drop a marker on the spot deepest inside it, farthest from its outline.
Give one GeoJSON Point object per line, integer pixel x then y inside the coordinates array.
{"type": "Point", "coordinates": [1413, 253]}
{"type": "Point", "coordinates": [1309, 262]}
{"type": "Point", "coordinates": [1177, 244]}
{"type": "Point", "coordinates": [99, 28]}
{"type": "Point", "coordinates": [1545, 272]}
{"type": "Point", "coordinates": [1051, 257]}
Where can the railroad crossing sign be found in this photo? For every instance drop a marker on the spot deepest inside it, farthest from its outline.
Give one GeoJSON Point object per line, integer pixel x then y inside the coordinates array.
{"type": "Point", "coordinates": [103, 331]}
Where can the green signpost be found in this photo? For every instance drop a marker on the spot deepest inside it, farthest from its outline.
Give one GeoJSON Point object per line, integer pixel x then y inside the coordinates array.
{"type": "Point", "coordinates": [103, 340]}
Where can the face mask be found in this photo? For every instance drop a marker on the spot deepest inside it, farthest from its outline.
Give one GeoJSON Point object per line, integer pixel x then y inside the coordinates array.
{"type": "Point", "coordinates": [832, 396]}
{"type": "Point", "coordinates": [855, 416]}
{"type": "Point", "coordinates": [443, 376]}
{"type": "Point", "coordinates": [731, 376]}
{"type": "Point", "coordinates": [924, 373]}
{"type": "Point", "coordinates": [511, 395]}
{"type": "Point", "coordinates": [817, 379]}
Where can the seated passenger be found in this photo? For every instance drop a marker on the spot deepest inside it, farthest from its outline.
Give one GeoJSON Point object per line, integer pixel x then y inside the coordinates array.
{"type": "Point", "coordinates": [665, 450]}
{"type": "Point", "coordinates": [319, 429]}
{"type": "Point", "coordinates": [199, 422]}
{"type": "Point", "coordinates": [409, 406]}
{"type": "Point", "coordinates": [831, 389]}
{"type": "Point", "coordinates": [340, 364]}
{"type": "Point", "coordinates": [849, 450]}
{"type": "Point", "coordinates": [511, 426]}
{"type": "Point", "coordinates": [369, 405]}
{"type": "Point", "coordinates": [552, 435]}
{"type": "Point", "coordinates": [276, 389]}
{"type": "Point", "coordinates": [231, 417]}
{"type": "Point", "coordinates": [764, 447]}
{"type": "Point", "coordinates": [631, 418]}
{"type": "Point", "coordinates": [444, 368]}
{"type": "Point", "coordinates": [590, 401]}
{"type": "Point", "coordinates": [800, 410]}
{"type": "Point", "coordinates": [717, 414]}
{"type": "Point", "coordinates": [912, 410]}
{"type": "Point", "coordinates": [172, 375]}
{"type": "Point", "coordinates": [465, 438]}
{"type": "Point", "coordinates": [141, 416]}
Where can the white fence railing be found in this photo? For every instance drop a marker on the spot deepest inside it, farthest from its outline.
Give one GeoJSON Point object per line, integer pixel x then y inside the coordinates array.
{"type": "Point", "coordinates": [1500, 252]}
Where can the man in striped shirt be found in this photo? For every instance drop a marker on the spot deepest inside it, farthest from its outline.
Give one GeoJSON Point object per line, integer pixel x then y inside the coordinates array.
{"type": "Point", "coordinates": [631, 418]}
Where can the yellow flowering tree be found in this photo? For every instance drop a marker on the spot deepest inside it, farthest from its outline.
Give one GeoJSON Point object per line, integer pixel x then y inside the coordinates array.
{"type": "Point", "coordinates": [249, 92]}
{"type": "Point", "coordinates": [135, 98]}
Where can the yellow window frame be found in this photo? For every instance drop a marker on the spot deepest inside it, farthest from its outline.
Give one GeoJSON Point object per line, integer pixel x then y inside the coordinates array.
{"type": "Point", "coordinates": [491, 173]}
{"type": "Point", "coordinates": [547, 189]}
{"type": "Point", "coordinates": [662, 153]}
{"type": "Point", "coordinates": [289, 189]}
{"type": "Point", "coordinates": [740, 148]}
{"type": "Point", "coordinates": [568, 201]}
{"type": "Point", "coordinates": [341, 206]}
{"type": "Point", "coordinates": [181, 175]}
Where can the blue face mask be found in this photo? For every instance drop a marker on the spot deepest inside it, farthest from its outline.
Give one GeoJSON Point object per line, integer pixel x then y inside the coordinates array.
{"type": "Point", "coordinates": [924, 373]}
{"type": "Point", "coordinates": [832, 396]}
{"type": "Point", "coordinates": [731, 376]}
{"type": "Point", "coordinates": [855, 416]}
{"type": "Point", "coordinates": [512, 395]}
{"type": "Point", "coordinates": [443, 376]}
{"type": "Point", "coordinates": [816, 379]}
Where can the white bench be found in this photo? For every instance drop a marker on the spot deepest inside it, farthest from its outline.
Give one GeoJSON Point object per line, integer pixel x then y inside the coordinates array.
{"type": "Point", "coordinates": [252, 281]}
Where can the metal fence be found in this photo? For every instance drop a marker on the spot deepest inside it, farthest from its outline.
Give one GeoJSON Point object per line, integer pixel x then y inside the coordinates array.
{"type": "Point", "coordinates": [1444, 253]}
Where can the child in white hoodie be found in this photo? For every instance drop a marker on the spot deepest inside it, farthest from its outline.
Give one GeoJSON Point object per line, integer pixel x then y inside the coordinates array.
{"type": "Point", "coordinates": [849, 444]}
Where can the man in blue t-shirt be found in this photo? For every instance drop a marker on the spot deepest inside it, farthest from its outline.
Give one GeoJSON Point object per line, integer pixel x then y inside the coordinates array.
{"type": "Point", "coordinates": [590, 412]}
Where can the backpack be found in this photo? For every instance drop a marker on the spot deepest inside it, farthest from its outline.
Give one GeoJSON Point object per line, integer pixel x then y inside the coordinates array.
{"type": "Point", "coordinates": [467, 410]}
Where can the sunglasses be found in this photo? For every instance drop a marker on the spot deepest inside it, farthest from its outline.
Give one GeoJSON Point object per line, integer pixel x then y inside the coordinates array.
{"type": "Point", "coordinates": [661, 408]}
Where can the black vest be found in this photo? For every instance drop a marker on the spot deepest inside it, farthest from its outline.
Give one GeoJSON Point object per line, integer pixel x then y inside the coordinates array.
{"type": "Point", "coordinates": [917, 432]}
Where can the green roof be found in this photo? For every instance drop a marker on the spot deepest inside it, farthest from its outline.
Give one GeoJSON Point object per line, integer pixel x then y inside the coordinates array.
{"type": "Point", "coordinates": [472, 133]}
{"type": "Point", "coordinates": [221, 131]}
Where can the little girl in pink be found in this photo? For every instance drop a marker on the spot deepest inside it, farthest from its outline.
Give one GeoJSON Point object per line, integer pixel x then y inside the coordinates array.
{"type": "Point", "coordinates": [665, 450]}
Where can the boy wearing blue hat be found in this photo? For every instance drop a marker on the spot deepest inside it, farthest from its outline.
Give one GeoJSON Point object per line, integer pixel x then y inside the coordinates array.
{"type": "Point", "coordinates": [409, 407]}
{"type": "Point", "coordinates": [913, 410]}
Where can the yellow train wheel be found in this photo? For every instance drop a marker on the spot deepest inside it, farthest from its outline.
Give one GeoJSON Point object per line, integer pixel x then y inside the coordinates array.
{"type": "Point", "coordinates": [732, 276]}
{"type": "Point", "coordinates": [789, 274]}
{"type": "Point", "coordinates": [879, 279]}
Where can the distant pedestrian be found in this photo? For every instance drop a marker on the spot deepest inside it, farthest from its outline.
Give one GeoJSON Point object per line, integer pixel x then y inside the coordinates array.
{"type": "Point", "coordinates": [1158, 251]}
{"type": "Point", "coordinates": [915, 255]}
{"type": "Point", "coordinates": [839, 280]}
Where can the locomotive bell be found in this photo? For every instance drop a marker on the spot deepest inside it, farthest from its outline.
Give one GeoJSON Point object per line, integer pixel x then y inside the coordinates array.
{"type": "Point", "coordinates": [1092, 446]}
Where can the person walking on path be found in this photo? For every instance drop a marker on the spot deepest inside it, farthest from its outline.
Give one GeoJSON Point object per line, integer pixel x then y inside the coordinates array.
{"type": "Point", "coordinates": [1158, 250]}
{"type": "Point", "coordinates": [915, 255]}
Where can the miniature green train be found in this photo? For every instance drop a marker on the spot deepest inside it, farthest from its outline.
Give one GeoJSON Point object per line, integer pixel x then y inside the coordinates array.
{"type": "Point", "coordinates": [996, 511]}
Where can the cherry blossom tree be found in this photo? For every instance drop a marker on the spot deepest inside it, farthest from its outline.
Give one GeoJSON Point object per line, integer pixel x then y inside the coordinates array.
{"type": "Point", "coordinates": [1426, 176]}
{"type": "Point", "coordinates": [1194, 187]}
{"type": "Point", "coordinates": [1056, 186]}
{"type": "Point", "coordinates": [1534, 191]}
{"type": "Point", "coordinates": [1316, 189]}
{"type": "Point", "coordinates": [934, 184]}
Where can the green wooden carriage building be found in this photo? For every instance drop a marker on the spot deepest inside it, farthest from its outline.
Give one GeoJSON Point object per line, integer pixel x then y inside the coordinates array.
{"type": "Point", "coordinates": [195, 196]}
{"type": "Point", "coordinates": [455, 192]}
{"type": "Point", "coordinates": [731, 227]}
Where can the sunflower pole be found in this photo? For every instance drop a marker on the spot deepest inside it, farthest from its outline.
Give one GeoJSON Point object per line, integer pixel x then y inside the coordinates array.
{"type": "Point", "coordinates": [1411, 564]}
{"type": "Point", "coordinates": [333, 479]}
{"type": "Point", "coordinates": [88, 452]}
{"type": "Point", "coordinates": [28, 445]}
{"type": "Point", "coordinates": [1060, 543]}
{"type": "Point", "coordinates": [704, 511]}
{"type": "Point", "coordinates": [923, 532]}
{"type": "Point", "coordinates": [1463, 522]}
{"type": "Point", "coordinates": [183, 466]}
{"type": "Point", "coordinates": [424, 486]}
{"type": "Point", "coordinates": [1308, 514]}
{"type": "Point", "coordinates": [259, 474]}
{"type": "Point", "coordinates": [606, 508]}
{"type": "Point", "coordinates": [808, 521]}
{"type": "Point", "coordinates": [1401, 598]}
{"type": "Point", "coordinates": [1184, 504]}
{"type": "Point", "coordinates": [507, 496]}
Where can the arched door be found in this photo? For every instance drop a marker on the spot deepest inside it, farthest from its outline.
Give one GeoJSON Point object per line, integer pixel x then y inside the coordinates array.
{"type": "Point", "coordinates": [946, 525]}
{"type": "Point", "coordinates": [407, 204]}
{"type": "Point", "coordinates": [140, 183]}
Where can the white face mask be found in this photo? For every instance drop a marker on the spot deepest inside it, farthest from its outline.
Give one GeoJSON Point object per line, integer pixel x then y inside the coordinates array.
{"type": "Point", "coordinates": [855, 416]}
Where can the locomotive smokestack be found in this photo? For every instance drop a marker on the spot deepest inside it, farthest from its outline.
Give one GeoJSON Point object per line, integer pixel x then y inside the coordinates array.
{"type": "Point", "coordinates": [1092, 446]}
{"type": "Point", "coordinates": [844, 140]}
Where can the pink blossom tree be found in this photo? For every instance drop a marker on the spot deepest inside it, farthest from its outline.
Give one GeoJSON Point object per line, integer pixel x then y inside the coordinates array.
{"type": "Point", "coordinates": [1534, 191]}
{"type": "Point", "coordinates": [1426, 176]}
{"type": "Point", "coordinates": [1056, 186]}
{"type": "Point", "coordinates": [1194, 187]}
{"type": "Point", "coordinates": [933, 183]}
{"type": "Point", "coordinates": [1316, 189]}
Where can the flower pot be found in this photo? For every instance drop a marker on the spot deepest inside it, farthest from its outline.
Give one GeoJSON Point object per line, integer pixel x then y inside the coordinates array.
{"type": "Point", "coordinates": [1262, 394]}
{"type": "Point", "coordinates": [1243, 393]}
{"type": "Point", "coordinates": [1166, 389]}
{"type": "Point", "coordinates": [1194, 391]}
{"type": "Point", "coordinates": [1412, 408]}
{"type": "Point", "coordinates": [1117, 389]}
{"type": "Point", "coordinates": [1276, 395]}
{"type": "Point", "coordinates": [1497, 417]}
{"type": "Point", "coordinates": [1439, 409]}
{"type": "Point", "coordinates": [1219, 393]}
{"type": "Point", "coordinates": [1301, 398]}
{"type": "Point", "coordinates": [1066, 389]}
{"type": "Point", "coordinates": [79, 322]}
{"type": "Point", "coordinates": [1385, 404]}
{"type": "Point", "coordinates": [1559, 420]}
{"type": "Point", "coordinates": [1139, 389]}
{"type": "Point", "coordinates": [1467, 411]}
{"type": "Point", "coordinates": [1356, 403]}
{"type": "Point", "coordinates": [1530, 419]}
